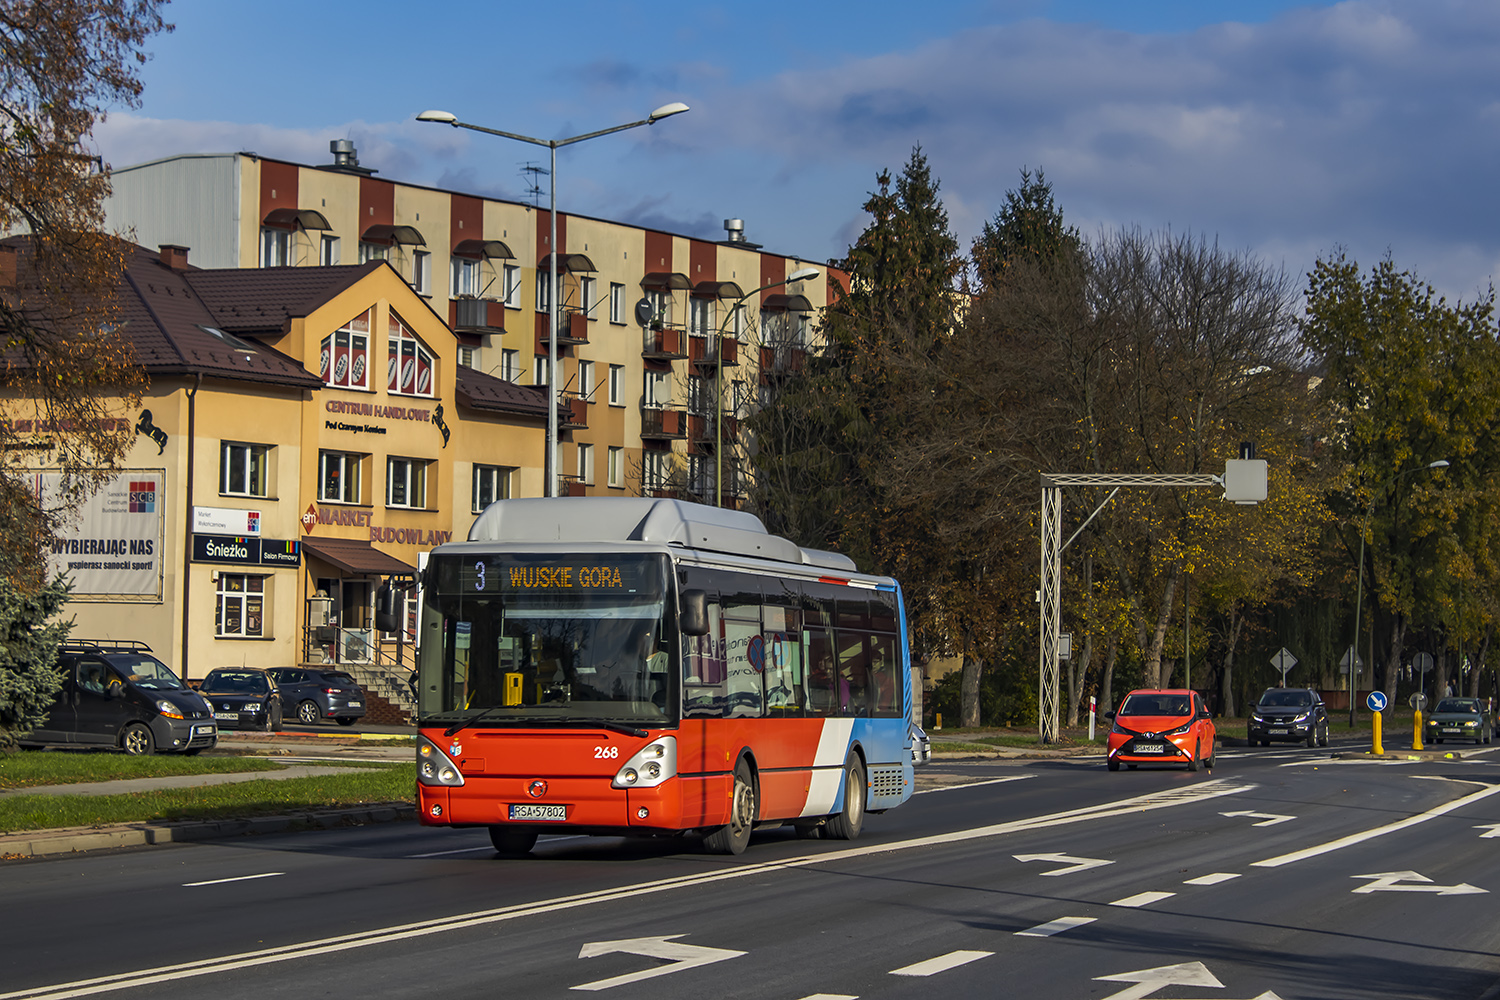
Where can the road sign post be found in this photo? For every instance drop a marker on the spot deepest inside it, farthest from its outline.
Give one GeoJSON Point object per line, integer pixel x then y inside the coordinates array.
{"type": "Point", "coordinates": [1284, 661]}
{"type": "Point", "coordinates": [1376, 704]}
{"type": "Point", "coordinates": [1418, 702]}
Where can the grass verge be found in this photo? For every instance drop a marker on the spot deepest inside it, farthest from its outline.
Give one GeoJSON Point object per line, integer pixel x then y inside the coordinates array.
{"type": "Point", "coordinates": [244, 799]}
{"type": "Point", "coordinates": [32, 768]}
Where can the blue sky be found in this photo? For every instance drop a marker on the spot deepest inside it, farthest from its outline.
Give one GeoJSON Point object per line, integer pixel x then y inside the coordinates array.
{"type": "Point", "coordinates": [1291, 130]}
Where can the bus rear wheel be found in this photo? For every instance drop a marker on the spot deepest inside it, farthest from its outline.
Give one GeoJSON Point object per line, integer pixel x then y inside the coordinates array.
{"type": "Point", "coordinates": [847, 823]}
{"type": "Point", "coordinates": [512, 843]}
{"type": "Point", "coordinates": [734, 836]}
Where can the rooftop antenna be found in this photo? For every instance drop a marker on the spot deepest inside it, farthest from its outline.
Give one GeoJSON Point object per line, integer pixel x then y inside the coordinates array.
{"type": "Point", "coordinates": [534, 182]}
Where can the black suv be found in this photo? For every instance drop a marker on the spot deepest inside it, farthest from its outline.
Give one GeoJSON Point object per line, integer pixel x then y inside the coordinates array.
{"type": "Point", "coordinates": [1291, 715]}
{"type": "Point", "coordinates": [116, 694]}
{"type": "Point", "coordinates": [313, 695]}
{"type": "Point", "coordinates": [243, 698]}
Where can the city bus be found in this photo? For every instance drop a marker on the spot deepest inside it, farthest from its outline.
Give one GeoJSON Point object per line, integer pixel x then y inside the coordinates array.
{"type": "Point", "coordinates": [630, 667]}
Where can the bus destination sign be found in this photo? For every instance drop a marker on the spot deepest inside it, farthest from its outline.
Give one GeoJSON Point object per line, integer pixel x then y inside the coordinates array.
{"type": "Point", "coordinates": [593, 576]}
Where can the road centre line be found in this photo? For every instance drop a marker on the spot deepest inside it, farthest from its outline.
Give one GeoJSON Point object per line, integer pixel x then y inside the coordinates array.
{"type": "Point", "coordinates": [237, 878]}
{"type": "Point", "coordinates": [1379, 831]}
{"type": "Point", "coordinates": [942, 963]}
{"type": "Point", "coordinates": [1057, 926]}
{"type": "Point", "coordinates": [975, 784]}
{"type": "Point", "coordinates": [1213, 879]}
{"type": "Point", "coordinates": [1200, 792]}
{"type": "Point", "coordinates": [1143, 899]}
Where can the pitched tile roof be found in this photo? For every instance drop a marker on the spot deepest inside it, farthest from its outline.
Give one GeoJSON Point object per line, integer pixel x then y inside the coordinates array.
{"type": "Point", "coordinates": [485, 392]}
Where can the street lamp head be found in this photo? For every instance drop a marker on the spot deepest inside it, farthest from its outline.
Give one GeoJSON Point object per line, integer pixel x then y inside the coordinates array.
{"type": "Point", "coordinates": [441, 117]}
{"type": "Point", "coordinates": [1441, 463]}
{"type": "Point", "coordinates": [804, 274]}
{"type": "Point", "coordinates": [666, 111]}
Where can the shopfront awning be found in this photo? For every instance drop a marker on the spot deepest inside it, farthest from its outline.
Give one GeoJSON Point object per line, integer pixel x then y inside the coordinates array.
{"type": "Point", "coordinates": [355, 556]}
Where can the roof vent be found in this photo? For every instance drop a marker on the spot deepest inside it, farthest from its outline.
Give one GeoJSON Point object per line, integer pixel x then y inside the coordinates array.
{"type": "Point", "coordinates": [736, 230]}
{"type": "Point", "coordinates": [343, 153]}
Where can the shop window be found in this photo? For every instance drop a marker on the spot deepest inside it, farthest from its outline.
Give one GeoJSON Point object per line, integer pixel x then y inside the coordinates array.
{"type": "Point", "coordinates": [491, 483]}
{"type": "Point", "coordinates": [406, 483]}
{"type": "Point", "coordinates": [241, 605]}
{"type": "Point", "coordinates": [243, 470]}
{"type": "Point", "coordinates": [339, 476]}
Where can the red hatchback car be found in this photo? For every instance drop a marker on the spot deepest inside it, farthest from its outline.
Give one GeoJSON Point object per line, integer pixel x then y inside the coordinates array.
{"type": "Point", "coordinates": [1156, 727]}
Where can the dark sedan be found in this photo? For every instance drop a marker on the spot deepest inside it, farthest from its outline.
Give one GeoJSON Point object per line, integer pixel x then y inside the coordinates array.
{"type": "Point", "coordinates": [1458, 719]}
{"type": "Point", "coordinates": [243, 698]}
{"type": "Point", "coordinates": [1294, 715]}
{"type": "Point", "coordinates": [313, 695]}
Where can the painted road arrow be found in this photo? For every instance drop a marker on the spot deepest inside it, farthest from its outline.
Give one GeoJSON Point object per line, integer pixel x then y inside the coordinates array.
{"type": "Point", "coordinates": [668, 949]}
{"type": "Point", "coordinates": [1271, 819]}
{"type": "Point", "coordinates": [1148, 981]}
{"type": "Point", "coordinates": [1073, 864]}
{"type": "Point", "coordinates": [1391, 882]}
{"type": "Point", "coordinates": [1493, 828]}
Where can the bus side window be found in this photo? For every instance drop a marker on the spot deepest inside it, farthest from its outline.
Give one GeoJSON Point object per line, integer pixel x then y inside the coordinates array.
{"type": "Point", "coordinates": [704, 688]}
{"type": "Point", "coordinates": [822, 693]}
{"type": "Point", "coordinates": [886, 690]}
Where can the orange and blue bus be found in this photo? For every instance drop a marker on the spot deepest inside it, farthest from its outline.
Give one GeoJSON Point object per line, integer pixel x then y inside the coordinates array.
{"type": "Point", "coordinates": [630, 667]}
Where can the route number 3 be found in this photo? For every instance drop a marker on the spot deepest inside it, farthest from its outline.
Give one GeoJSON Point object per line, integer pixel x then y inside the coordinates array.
{"type": "Point", "coordinates": [606, 753]}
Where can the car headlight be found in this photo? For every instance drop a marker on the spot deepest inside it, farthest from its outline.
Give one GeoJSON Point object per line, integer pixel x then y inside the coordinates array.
{"type": "Point", "coordinates": [1256, 717]}
{"type": "Point", "coordinates": [1179, 730]}
{"type": "Point", "coordinates": [1303, 717]}
{"type": "Point", "coordinates": [434, 767]}
{"type": "Point", "coordinates": [168, 709]}
{"type": "Point", "coordinates": [1471, 724]}
{"type": "Point", "coordinates": [253, 706]}
{"type": "Point", "coordinates": [651, 765]}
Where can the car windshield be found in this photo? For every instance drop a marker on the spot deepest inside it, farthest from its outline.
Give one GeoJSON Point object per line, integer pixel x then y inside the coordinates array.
{"type": "Point", "coordinates": [1155, 704]}
{"type": "Point", "coordinates": [234, 682]}
{"type": "Point", "coordinates": [1458, 706]}
{"type": "Point", "coordinates": [1286, 699]}
{"type": "Point", "coordinates": [147, 673]}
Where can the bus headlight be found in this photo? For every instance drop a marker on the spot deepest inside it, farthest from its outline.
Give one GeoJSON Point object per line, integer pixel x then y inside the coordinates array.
{"type": "Point", "coordinates": [434, 767]}
{"type": "Point", "coordinates": [652, 764]}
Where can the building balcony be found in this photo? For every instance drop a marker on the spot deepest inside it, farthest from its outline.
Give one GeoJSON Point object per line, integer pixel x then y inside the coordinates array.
{"type": "Point", "coordinates": [703, 354]}
{"type": "Point", "coordinates": [704, 431]}
{"type": "Point", "coordinates": [663, 425]}
{"type": "Point", "coordinates": [573, 488]}
{"type": "Point", "coordinates": [476, 315]}
{"type": "Point", "coordinates": [781, 360]}
{"type": "Point", "coordinates": [573, 413]}
{"type": "Point", "coordinates": [663, 344]}
{"type": "Point", "coordinates": [572, 329]}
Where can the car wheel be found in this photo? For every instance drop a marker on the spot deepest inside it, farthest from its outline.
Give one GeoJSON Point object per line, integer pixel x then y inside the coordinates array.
{"type": "Point", "coordinates": [307, 713]}
{"type": "Point", "coordinates": [1193, 761]}
{"type": "Point", "coordinates": [851, 819]}
{"type": "Point", "coordinates": [1112, 764]}
{"type": "Point", "coordinates": [1312, 736]}
{"type": "Point", "coordinates": [732, 837]}
{"type": "Point", "coordinates": [276, 720]}
{"type": "Point", "coordinates": [136, 740]}
{"type": "Point", "coordinates": [1212, 758]}
{"type": "Point", "coordinates": [1323, 739]}
{"type": "Point", "coordinates": [511, 842]}
{"type": "Point", "coordinates": [346, 720]}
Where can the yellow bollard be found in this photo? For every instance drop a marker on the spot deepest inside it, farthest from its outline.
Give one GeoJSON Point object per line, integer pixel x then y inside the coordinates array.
{"type": "Point", "coordinates": [939, 724]}
{"type": "Point", "coordinates": [1377, 749]}
{"type": "Point", "coordinates": [1416, 730]}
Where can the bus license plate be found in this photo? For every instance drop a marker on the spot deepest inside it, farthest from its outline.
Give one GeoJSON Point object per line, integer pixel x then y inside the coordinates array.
{"type": "Point", "coordinates": [544, 813]}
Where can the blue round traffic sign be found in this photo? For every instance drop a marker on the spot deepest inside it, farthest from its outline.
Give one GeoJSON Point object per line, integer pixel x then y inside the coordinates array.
{"type": "Point", "coordinates": [1376, 701]}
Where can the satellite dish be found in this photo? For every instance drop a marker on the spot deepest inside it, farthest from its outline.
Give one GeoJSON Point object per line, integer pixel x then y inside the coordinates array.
{"type": "Point", "coordinates": [644, 314]}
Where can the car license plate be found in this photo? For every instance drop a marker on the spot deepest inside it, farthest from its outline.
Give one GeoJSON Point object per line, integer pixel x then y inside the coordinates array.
{"type": "Point", "coordinates": [1150, 748]}
{"type": "Point", "coordinates": [356, 704]}
{"type": "Point", "coordinates": [228, 716]}
{"type": "Point", "coordinates": [546, 813]}
{"type": "Point", "coordinates": [1455, 732]}
{"type": "Point", "coordinates": [203, 730]}
{"type": "Point", "coordinates": [1276, 732]}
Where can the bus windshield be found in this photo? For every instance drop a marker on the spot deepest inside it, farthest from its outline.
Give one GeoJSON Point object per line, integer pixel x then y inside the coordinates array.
{"type": "Point", "coordinates": [546, 639]}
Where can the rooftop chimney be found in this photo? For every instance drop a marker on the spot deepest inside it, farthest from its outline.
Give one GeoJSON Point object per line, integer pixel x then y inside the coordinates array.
{"type": "Point", "coordinates": [343, 153]}
{"type": "Point", "coordinates": [174, 256]}
{"type": "Point", "coordinates": [736, 230]}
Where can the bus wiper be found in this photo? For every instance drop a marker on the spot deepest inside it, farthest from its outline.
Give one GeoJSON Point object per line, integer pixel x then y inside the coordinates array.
{"type": "Point", "coordinates": [466, 723]}
{"type": "Point", "coordinates": [615, 727]}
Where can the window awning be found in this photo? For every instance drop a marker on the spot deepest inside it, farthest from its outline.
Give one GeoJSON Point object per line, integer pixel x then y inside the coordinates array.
{"type": "Point", "coordinates": [789, 303]}
{"type": "Point", "coordinates": [718, 290]}
{"type": "Point", "coordinates": [355, 556]}
{"type": "Point", "coordinates": [292, 218]}
{"type": "Point", "coordinates": [573, 263]}
{"type": "Point", "coordinates": [493, 249]}
{"type": "Point", "coordinates": [394, 234]}
{"type": "Point", "coordinates": [671, 280]}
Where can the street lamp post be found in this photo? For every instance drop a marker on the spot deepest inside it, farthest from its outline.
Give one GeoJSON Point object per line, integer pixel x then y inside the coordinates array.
{"type": "Point", "coordinates": [802, 274]}
{"type": "Point", "coordinates": [447, 118]}
{"type": "Point", "coordinates": [1359, 589]}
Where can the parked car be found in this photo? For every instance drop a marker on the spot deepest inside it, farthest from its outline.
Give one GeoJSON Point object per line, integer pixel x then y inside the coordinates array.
{"type": "Point", "coordinates": [243, 698]}
{"type": "Point", "coordinates": [1294, 715]}
{"type": "Point", "coordinates": [313, 695]}
{"type": "Point", "coordinates": [116, 694]}
{"type": "Point", "coordinates": [1156, 727]}
{"type": "Point", "coordinates": [1458, 719]}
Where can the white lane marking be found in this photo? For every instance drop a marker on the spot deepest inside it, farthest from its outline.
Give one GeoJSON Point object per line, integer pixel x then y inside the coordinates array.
{"type": "Point", "coordinates": [678, 956]}
{"type": "Point", "coordinates": [1270, 819]}
{"type": "Point", "coordinates": [1072, 864]}
{"type": "Point", "coordinates": [1364, 835]}
{"type": "Point", "coordinates": [1143, 899]}
{"type": "Point", "coordinates": [1213, 879]}
{"type": "Point", "coordinates": [975, 784]}
{"type": "Point", "coordinates": [237, 878]}
{"type": "Point", "coordinates": [1057, 926]}
{"type": "Point", "coordinates": [942, 963]}
{"type": "Point", "coordinates": [1200, 792]}
{"type": "Point", "coordinates": [1391, 882]}
{"type": "Point", "coordinates": [476, 850]}
{"type": "Point", "coordinates": [1331, 761]}
{"type": "Point", "coordinates": [1493, 828]}
{"type": "Point", "coordinates": [832, 996]}
{"type": "Point", "coordinates": [1148, 981]}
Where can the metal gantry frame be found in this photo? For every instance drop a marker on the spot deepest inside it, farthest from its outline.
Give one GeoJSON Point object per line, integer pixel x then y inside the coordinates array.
{"type": "Point", "coordinates": [1049, 595]}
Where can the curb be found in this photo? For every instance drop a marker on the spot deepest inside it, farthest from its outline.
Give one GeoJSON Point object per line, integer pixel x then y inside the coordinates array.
{"type": "Point", "coordinates": [41, 843]}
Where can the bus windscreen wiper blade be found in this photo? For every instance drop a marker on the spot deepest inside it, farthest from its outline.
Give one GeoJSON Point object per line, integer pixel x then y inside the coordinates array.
{"type": "Point", "coordinates": [475, 718]}
{"type": "Point", "coordinates": [615, 727]}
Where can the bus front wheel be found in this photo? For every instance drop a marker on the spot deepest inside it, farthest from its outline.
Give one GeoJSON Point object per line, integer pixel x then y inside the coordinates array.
{"type": "Point", "coordinates": [847, 823]}
{"type": "Point", "coordinates": [732, 837]}
{"type": "Point", "coordinates": [512, 843]}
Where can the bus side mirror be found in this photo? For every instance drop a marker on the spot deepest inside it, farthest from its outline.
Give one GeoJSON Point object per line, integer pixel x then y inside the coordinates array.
{"type": "Point", "coordinates": [386, 619]}
{"type": "Point", "coordinates": [693, 615]}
